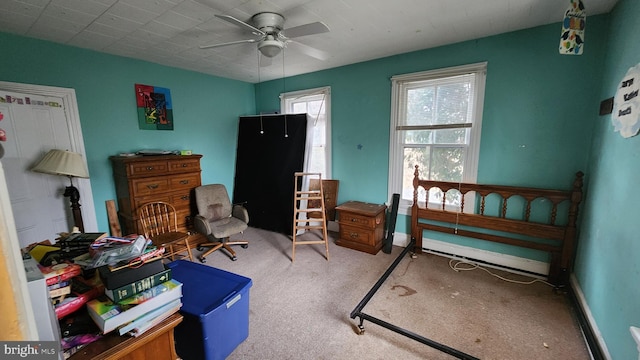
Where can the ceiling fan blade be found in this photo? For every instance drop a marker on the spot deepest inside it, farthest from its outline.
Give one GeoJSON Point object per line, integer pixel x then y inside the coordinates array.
{"type": "Point", "coordinates": [311, 51]}
{"type": "Point", "coordinates": [307, 29]}
{"type": "Point", "coordinates": [228, 43]}
{"type": "Point", "coordinates": [242, 24]}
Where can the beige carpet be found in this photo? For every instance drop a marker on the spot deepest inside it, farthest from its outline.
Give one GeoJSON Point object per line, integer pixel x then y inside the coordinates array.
{"type": "Point", "coordinates": [301, 310]}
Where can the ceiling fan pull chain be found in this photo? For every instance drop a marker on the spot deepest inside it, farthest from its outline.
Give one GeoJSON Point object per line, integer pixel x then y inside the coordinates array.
{"type": "Point", "coordinates": [284, 88]}
{"type": "Point", "coordinates": [261, 127]}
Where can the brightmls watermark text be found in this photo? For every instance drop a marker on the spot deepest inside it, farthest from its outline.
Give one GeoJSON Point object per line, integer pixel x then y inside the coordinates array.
{"type": "Point", "coordinates": [32, 350]}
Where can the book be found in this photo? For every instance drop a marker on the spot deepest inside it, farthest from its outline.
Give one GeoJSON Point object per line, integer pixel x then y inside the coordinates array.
{"type": "Point", "coordinates": [169, 308]}
{"type": "Point", "coordinates": [81, 292]}
{"type": "Point", "coordinates": [59, 284]}
{"type": "Point", "coordinates": [65, 290]}
{"type": "Point", "coordinates": [138, 286]}
{"type": "Point", "coordinates": [157, 320]}
{"type": "Point", "coordinates": [59, 272]}
{"type": "Point", "coordinates": [119, 278]}
{"type": "Point", "coordinates": [109, 315]}
{"type": "Point", "coordinates": [144, 296]}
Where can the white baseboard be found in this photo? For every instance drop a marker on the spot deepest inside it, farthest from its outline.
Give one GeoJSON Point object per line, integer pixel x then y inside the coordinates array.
{"type": "Point", "coordinates": [508, 261]}
{"type": "Point", "coordinates": [587, 313]}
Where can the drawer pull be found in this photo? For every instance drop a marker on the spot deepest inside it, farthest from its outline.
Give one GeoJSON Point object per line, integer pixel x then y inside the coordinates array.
{"type": "Point", "coordinates": [184, 198]}
{"type": "Point", "coordinates": [149, 168]}
{"type": "Point", "coordinates": [185, 165]}
{"type": "Point", "coordinates": [354, 219]}
{"type": "Point", "coordinates": [353, 235]}
{"type": "Point", "coordinates": [152, 186]}
{"type": "Point", "coordinates": [184, 182]}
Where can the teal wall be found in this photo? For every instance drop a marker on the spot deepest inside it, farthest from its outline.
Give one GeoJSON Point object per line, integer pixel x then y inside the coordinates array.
{"type": "Point", "coordinates": [540, 115]}
{"type": "Point", "coordinates": [205, 108]}
{"type": "Point", "coordinates": [537, 121]}
{"type": "Point", "coordinates": [608, 260]}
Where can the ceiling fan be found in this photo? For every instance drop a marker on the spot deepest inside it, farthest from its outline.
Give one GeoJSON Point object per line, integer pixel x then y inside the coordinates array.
{"type": "Point", "coordinates": [272, 37]}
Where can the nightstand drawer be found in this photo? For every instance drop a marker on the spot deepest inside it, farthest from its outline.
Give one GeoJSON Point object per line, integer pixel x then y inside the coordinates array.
{"type": "Point", "coordinates": [360, 220]}
{"type": "Point", "coordinates": [356, 234]}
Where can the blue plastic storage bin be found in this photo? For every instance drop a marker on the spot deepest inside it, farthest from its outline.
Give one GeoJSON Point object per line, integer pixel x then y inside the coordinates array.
{"type": "Point", "coordinates": [215, 310]}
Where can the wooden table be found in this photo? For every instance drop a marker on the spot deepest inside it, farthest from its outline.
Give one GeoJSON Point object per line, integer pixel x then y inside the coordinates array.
{"type": "Point", "coordinates": [361, 226]}
{"type": "Point", "coordinates": [157, 344]}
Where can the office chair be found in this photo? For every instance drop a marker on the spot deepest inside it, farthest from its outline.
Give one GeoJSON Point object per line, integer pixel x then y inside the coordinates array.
{"type": "Point", "coordinates": [218, 219]}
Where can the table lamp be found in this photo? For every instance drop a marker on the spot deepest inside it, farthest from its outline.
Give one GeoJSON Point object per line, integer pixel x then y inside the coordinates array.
{"type": "Point", "coordinates": [70, 164]}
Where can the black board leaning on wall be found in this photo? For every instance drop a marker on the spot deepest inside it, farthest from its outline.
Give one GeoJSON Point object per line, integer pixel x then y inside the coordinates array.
{"type": "Point", "coordinates": [265, 167]}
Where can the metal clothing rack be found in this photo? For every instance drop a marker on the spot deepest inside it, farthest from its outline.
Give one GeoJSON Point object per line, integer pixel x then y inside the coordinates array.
{"type": "Point", "coordinates": [357, 312]}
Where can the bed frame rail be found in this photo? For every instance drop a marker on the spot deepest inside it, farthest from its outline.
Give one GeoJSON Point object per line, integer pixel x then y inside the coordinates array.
{"type": "Point", "coordinates": [357, 312]}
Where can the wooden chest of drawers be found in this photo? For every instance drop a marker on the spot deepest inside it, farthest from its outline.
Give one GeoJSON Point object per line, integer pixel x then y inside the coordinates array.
{"type": "Point", "coordinates": [361, 226]}
{"type": "Point", "coordinates": [140, 179]}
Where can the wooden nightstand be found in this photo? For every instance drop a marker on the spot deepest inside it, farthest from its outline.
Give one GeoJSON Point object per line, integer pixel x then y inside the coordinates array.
{"type": "Point", "coordinates": [361, 226]}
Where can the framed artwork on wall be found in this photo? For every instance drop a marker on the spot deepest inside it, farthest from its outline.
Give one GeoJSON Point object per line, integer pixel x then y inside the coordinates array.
{"type": "Point", "coordinates": [155, 111]}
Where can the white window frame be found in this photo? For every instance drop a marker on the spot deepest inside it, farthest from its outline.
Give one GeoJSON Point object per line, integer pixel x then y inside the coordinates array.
{"type": "Point", "coordinates": [326, 92]}
{"type": "Point", "coordinates": [396, 150]}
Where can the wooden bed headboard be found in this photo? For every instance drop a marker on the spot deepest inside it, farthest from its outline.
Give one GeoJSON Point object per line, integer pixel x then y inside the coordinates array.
{"type": "Point", "coordinates": [555, 235]}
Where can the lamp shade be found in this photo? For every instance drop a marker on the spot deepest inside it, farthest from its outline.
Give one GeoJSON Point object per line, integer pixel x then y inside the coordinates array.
{"type": "Point", "coordinates": [62, 162]}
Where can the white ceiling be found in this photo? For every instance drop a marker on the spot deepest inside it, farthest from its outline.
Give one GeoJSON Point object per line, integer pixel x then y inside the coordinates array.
{"type": "Point", "coordinates": [169, 32]}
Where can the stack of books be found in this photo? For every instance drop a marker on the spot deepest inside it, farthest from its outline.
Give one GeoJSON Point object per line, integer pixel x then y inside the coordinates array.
{"type": "Point", "coordinates": [135, 298]}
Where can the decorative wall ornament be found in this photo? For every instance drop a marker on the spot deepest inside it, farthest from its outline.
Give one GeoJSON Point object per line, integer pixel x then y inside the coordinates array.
{"type": "Point", "coordinates": [572, 36]}
{"type": "Point", "coordinates": [155, 111]}
{"type": "Point", "coordinates": [626, 104]}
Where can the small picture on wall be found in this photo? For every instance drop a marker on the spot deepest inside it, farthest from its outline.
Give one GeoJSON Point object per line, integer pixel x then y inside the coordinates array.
{"type": "Point", "coordinates": [155, 111]}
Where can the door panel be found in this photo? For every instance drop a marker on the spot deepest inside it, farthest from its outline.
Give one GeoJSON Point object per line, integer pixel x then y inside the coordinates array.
{"type": "Point", "coordinates": [34, 127]}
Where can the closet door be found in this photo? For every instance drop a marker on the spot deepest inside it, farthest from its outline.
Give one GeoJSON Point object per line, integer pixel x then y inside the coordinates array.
{"type": "Point", "coordinates": [270, 150]}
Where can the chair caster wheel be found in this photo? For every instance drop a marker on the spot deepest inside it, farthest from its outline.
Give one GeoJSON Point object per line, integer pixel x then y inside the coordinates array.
{"type": "Point", "coordinates": [203, 260]}
{"type": "Point", "coordinates": [199, 248]}
{"type": "Point", "coordinates": [234, 258]}
{"type": "Point", "coordinates": [244, 246]}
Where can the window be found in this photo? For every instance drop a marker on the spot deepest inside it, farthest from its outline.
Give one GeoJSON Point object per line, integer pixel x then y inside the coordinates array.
{"type": "Point", "coordinates": [317, 104]}
{"type": "Point", "coordinates": [435, 123]}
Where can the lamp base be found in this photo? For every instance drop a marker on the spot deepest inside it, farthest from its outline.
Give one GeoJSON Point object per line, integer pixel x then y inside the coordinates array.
{"type": "Point", "coordinates": [74, 196]}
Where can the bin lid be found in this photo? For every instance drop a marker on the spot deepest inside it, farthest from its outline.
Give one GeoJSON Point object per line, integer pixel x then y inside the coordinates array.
{"type": "Point", "coordinates": [205, 288]}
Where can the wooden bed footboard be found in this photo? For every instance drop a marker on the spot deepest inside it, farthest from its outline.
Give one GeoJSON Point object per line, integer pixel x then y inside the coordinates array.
{"type": "Point", "coordinates": [543, 220]}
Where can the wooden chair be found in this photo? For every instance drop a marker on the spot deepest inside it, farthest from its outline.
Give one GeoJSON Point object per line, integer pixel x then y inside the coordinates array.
{"type": "Point", "coordinates": [160, 224]}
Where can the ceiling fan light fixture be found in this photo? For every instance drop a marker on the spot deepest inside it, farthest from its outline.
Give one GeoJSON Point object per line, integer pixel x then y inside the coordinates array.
{"type": "Point", "coordinates": [270, 47]}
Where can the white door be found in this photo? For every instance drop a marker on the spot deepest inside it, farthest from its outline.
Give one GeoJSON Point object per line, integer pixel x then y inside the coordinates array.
{"type": "Point", "coordinates": [35, 124]}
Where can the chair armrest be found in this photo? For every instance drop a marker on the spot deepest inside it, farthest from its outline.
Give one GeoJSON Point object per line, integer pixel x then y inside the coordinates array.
{"type": "Point", "coordinates": [201, 225]}
{"type": "Point", "coordinates": [241, 213]}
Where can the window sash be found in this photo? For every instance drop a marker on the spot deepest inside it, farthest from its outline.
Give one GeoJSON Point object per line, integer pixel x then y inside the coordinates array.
{"type": "Point", "coordinates": [321, 121]}
{"type": "Point", "coordinates": [473, 122]}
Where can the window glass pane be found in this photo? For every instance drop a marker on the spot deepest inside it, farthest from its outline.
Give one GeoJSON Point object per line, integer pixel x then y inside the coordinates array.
{"type": "Point", "coordinates": [447, 164]}
{"type": "Point", "coordinates": [452, 136]}
{"type": "Point", "coordinates": [453, 103]}
{"type": "Point", "coordinates": [315, 107]}
{"type": "Point", "coordinates": [418, 136]}
{"type": "Point", "coordinates": [299, 107]}
{"type": "Point", "coordinates": [420, 106]}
